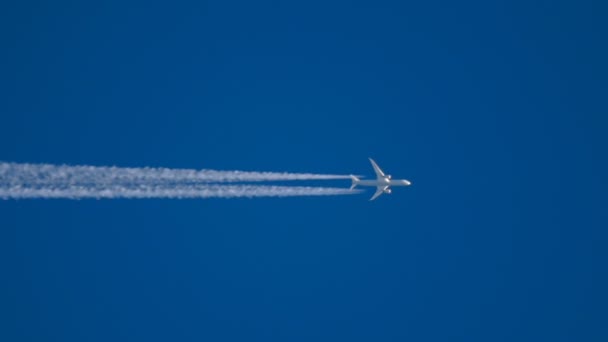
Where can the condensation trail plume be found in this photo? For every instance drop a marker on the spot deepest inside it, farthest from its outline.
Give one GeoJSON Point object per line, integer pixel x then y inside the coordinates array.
{"type": "Point", "coordinates": [156, 191]}
{"type": "Point", "coordinates": [15, 174]}
{"type": "Point", "coordinates": [28, 181]}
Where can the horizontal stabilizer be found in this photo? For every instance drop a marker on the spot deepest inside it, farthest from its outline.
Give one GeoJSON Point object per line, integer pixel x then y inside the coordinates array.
{"type": "Point", "coordinates": [355, 181]}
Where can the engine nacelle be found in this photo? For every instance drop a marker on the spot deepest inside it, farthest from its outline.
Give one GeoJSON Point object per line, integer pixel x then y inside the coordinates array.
{"type": "Point", "coordinates": [388, 176]}
{"type": "Point", "coordinates": [387, 191]}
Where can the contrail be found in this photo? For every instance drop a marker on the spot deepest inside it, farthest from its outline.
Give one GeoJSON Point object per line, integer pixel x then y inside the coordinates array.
{"type": "Point", "coordinates": [155, 191]}
{"type": "Point", "coordinates": [29, 181]}
{"type": "Point", "coordinates": [17, 174]}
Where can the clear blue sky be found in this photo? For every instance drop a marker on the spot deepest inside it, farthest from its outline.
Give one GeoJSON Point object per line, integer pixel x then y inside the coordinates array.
{"type": "Point", "coordinates": [495, 110]}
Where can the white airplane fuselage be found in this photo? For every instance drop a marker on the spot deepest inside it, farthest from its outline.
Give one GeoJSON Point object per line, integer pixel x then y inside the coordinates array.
{"type": "Point", "coordinates": [384, 182]}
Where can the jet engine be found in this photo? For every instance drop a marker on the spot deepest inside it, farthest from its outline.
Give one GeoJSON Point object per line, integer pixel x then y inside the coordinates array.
{"type": "Point", "coordinates": [387, 191]}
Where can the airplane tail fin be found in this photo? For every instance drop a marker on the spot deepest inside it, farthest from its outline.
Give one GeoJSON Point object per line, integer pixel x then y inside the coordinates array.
{"type": "Point", "coordinates": [355, 181]}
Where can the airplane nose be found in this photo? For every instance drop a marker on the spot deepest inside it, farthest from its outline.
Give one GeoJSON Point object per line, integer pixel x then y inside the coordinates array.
{"type": "Point", "coordinates": [407, 182]}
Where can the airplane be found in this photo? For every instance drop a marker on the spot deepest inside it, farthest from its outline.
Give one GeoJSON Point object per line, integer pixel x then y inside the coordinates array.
{"type": "Point", "coordinates": [382, 183]}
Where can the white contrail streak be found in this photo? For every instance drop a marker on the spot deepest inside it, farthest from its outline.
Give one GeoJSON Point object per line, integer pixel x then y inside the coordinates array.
{"type": "Point", "coordinates": [28, 181]}
{"type": "Point", "coordinates": [40, 174]}
{"type": "Point", "coordinates": [155, 191]}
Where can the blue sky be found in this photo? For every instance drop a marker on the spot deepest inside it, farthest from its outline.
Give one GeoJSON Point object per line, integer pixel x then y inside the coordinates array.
{"type": "Point", "coordinates": [495, 110]}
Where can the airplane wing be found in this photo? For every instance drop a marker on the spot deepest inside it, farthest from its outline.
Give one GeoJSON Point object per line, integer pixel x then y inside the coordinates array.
{"type": "Point", "coordinates": [379, 173]}
{"type": "Point", "coordinates": [379, 191]}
